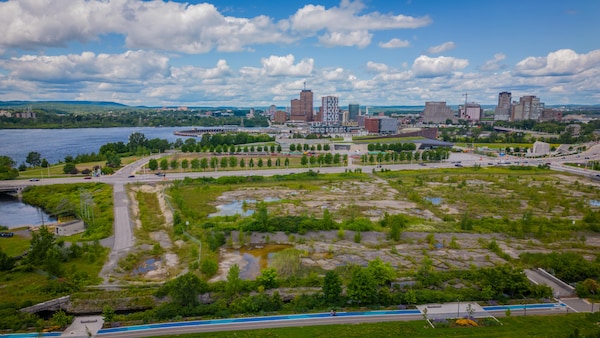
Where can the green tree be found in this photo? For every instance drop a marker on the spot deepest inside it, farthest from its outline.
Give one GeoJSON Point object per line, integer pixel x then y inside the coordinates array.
{"type": "Point", "coordinates": [383, 273]}
{"type": "Point", "coordinates": [233, 285]}
{"type": "Point", "coordinates": [60, 318]}
{"type": "Point", "coordinates": [304, 160]}
{"type": "Point", "coordinates": [260, 163]}
{"type": "Point", "coordinates": [362, 288]}
{"type": "Point", "coordinates": [164, 164]}
{"type": "Point", "coordinates": [153, 164]}
{"type": "Point", "coordinates": [34, 159]}
{"type": "Point", "coordinates": [174, 164]}
{"type": "Point", "coordinates": [70, 168]}
{"type": "Point", "coordinates": [242, 163]}
{"type": "Point", "coordinates": [108, 313]}
{"type": "Point", "coordinates": [233, 161]}
{"type": "Point", "coordinates": [185, 163]}
{"type": "Point", "coordinates": [332, 287]}
{"type": "Point", "coordinates": [6, 262]}
{"type": "Point", "coordinates": [204, 163]}
{"type": "Point", "coordinates": [326, 147]}
{"type": "Point", "coordinates": [224, 161]}
{"type": "Point", "coordinates": [136, 140]}
{"type": "Point", "coordinates": [184, 290]}
{"type": "Point", "coordinates": [268, 278]}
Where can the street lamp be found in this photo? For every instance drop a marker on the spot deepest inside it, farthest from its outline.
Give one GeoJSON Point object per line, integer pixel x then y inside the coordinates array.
{"type": "Point", "coordinates": [457, 308]}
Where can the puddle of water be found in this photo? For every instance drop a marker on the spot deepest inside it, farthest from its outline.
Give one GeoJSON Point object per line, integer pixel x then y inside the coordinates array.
{"type": "Point", "coordinates": [237, 207]}
{"type": "Point", "coordinates": [434, 200]}
{"type": "Point", "coordinates": [148, 265]}
{"type": "Point", "coordinates": [257, 258]}
{"type": "Point", "coordinates": [595, 203]}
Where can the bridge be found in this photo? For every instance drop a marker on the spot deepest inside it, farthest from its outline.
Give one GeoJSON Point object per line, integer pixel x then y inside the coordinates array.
{"type": "Point", "coordinates": [51, 305]}
{"type": "Point", "coordinates": [15, 189]}
{"type": "Point", "coordinates": [532, 132]}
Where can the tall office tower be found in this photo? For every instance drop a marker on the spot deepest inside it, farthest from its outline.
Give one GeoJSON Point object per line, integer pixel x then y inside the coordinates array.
{"type": "Point", "coordinates": [437, 112]}
{"type": "Point", "coordinates": [528, 108]}
{"type": "Point", "coordinates": [331, 111]}
{"type": "Point", "coordinates": [503, 111]}
{"type": "Point", "coordinates": [302, 110]}
{"type": "Point", "coordinates": [353, 111]}
{"type": "Point", "coordinates": [472, 112]}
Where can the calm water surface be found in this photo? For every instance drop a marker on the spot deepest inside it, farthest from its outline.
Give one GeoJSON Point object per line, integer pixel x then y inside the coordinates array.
{"type": "Point", "coordinates": [54, 145]}
{"type": "Point", "coordinates": [14, 213]}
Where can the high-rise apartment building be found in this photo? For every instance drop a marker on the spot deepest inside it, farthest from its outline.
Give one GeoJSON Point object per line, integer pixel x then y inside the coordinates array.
{"type": "Point", "coordinates": [437, 112]}
{"type": "Point", "coordinates": [353, 111]}
{"type": "Point", "coordinates": [330, 110]}
{"type": "Point", "coordinates": [503, 110]}
{"type": "Point", "coordinates": [302, 109]}
{"type": "Point", "coordinates": [528, 108]}
{"type": "Point", "coordinates": [471, 113]}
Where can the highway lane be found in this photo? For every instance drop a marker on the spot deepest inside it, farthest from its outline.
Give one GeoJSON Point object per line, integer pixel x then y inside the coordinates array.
{"type": "Point", "coordinates": [262, 325]}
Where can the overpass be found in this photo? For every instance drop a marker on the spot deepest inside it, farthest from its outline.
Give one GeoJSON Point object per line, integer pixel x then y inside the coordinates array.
{"type": "Point", "coordinates": [15, 189]}
{"type": "Point", "coordinates": [532, 132]}
{"type": "Point", "coordinates": [51, 305]}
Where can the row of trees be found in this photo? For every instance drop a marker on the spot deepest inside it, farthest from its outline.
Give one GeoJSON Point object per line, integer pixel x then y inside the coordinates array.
{"type": "Point", "coordinates": [425, 155]}
{"type": "Point", "coordinates": [230, 149]}
{"type": "Point", "coordinates": [216, 162]}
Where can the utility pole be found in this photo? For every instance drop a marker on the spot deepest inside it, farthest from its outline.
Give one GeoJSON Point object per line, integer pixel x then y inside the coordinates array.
{"type": "Point", "coordinates": [466, 95]}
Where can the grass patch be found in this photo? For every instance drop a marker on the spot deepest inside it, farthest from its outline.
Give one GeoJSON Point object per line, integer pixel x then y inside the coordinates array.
{"type": "Point", "coordinates": [14, 246]}
{"type": "Point", "coordinates": [531, 326]}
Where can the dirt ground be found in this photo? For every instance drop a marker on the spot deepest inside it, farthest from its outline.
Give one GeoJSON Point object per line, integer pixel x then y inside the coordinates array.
{"type": "Point", "coordinates": [372, 197]}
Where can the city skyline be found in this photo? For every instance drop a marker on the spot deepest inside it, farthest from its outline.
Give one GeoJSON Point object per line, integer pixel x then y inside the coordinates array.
{"type": "Point", "coordinates": [235, 53]}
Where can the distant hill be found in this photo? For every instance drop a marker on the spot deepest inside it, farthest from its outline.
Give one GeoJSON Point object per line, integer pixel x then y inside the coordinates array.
{"type": "Point", "coordinates": [39, 104]}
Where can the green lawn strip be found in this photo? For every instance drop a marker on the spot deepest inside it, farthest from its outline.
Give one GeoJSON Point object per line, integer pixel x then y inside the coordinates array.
{"type": "Point", "coordinates": [530, 326]}
{"type": "Point", "coordinates": [14, 246]}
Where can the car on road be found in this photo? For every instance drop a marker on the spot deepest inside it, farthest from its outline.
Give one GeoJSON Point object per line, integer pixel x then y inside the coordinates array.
{"type": "Point", "coordinates": [34, 179]}
{"type": "Point", "coordinates": [458, 165]}
{"type": "Point", "coordinates": [87, 178]}
{"type": "Point", "coordinates": [131, 176]}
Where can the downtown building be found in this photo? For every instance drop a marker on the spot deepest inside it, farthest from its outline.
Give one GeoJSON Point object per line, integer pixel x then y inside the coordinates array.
{"type": "Point", "coordinates": [502, 111]}
{"type": "Point", "coordinates": [472, 113]}
{"type": "Point", "coordinates": [302, 109]}
{"type": "Point", "coordinates": [353, 111]}
{"type": "Point", "coordinates": [437, 112]}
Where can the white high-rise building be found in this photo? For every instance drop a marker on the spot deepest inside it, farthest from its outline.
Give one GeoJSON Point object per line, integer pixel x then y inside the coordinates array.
{"type": "Point", "coordinates": [331, 111]}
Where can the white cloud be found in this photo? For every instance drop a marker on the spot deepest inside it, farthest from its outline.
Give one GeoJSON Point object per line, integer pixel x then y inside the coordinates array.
{"type": "Point", "coordinates": [444, 47]}
{"type": "Point", "coordinates": [424, 66]}
{"type": "Point", "coordinates": [284, 65]}
{"type": "Point", "coordinates": [494, 64]}
{"type": "Point", "coordinates": [88, 66]}
{"type": "Point", "coordinates": [377, 67]}
{"type": "Point", "coordinates": [360, 39]}
{"type": "Point", "coordinates": [395, 43]}
{"type": "Point", "coordinates": [337, 74]}
{"type": "Point", "coordinates": [346, 21]}
{"type": "Point", "coordinates": [183, 27]}
{"type": "Point", "coordinates": [559, 63]}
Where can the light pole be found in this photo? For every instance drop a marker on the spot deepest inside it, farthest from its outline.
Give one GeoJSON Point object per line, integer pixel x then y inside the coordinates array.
{"type": "Point", "coordinates": [457, 308]}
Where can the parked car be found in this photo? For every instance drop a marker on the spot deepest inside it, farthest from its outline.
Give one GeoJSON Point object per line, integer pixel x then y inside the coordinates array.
{"type": "Point", "coordinates": [6, 234]}
{"type": "Point", "coordinates": [34, 179]}
{"type": "Point", "coordinates": [87, 178]}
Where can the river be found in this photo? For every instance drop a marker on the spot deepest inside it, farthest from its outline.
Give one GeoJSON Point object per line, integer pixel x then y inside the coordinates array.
{"type": "Point", "coordinates": [54, 145]}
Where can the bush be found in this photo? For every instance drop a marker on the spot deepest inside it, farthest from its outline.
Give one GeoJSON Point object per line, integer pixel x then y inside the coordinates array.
{"type": "Point", "coordinates": [209, 267]}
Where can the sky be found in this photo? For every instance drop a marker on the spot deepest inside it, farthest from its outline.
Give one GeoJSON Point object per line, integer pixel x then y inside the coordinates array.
{"type": "Point", "coordinates": [261, 52]}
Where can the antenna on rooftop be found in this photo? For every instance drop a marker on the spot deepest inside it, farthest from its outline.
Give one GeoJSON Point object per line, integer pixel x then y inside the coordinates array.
{"type": "Point", "coordinates": [304, 85]}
